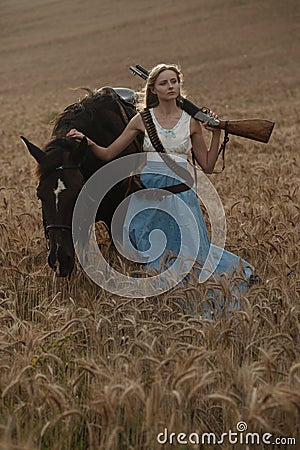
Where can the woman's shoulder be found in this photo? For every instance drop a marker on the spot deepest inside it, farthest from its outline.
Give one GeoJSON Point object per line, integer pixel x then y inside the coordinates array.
{"type": "Point", "coordinates": [186, 116]}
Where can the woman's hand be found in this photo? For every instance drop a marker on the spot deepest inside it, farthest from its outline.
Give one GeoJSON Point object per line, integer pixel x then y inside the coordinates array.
{"type": "Point", "coordinates": [77, 135]}
{"type": "Point", "coordinates": [210, 127]}
{"type": "Point", "coordinates": [99, 152]}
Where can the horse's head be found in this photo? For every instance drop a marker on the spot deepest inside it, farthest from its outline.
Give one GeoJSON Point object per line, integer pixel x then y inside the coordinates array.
{"type": "Point", "coordinates": [60, 181]}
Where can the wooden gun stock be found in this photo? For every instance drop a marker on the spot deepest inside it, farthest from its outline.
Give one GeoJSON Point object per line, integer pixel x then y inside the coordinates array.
{"type": "Point", "coordinates": [256, 129]}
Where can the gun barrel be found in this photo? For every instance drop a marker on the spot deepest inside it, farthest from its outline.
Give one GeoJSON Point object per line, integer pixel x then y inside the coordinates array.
{"type": "Point", "coordinates": [142, 69]}
{"type": "Point", "coordinates": [136, 71]}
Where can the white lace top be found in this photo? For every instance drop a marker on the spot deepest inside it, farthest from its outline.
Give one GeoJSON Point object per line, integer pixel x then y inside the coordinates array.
{"type": "Point", "coordinates": [175, 141]}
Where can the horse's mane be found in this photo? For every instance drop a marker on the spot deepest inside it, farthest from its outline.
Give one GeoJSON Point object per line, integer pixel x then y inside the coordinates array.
{"type": "Point", "coordinates": [83, 111]}
{"type": "Point", "coordinates": [97, 115]}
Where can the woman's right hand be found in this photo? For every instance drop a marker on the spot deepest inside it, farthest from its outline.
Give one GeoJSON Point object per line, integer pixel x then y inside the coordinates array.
{"type": "Point", "coordinates": [99, 152]}
{"type": "Point", "coordinates": [77, 135]}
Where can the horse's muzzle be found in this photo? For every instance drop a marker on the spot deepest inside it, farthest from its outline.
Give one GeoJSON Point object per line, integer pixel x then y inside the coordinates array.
{"type": "Point", "coordinates": [61, 264]}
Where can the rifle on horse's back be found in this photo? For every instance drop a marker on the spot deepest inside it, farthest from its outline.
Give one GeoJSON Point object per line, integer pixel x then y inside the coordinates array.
{"type": "Point", "coordinates": [256, 129]}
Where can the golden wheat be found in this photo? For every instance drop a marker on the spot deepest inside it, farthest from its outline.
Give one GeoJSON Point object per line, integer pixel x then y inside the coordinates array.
{"type": "Point", "coordinates": [84, 369]}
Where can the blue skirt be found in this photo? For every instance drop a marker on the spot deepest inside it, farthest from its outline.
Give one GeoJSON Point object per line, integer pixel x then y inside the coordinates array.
{"type": "Point", "coordinates": [158, 231]}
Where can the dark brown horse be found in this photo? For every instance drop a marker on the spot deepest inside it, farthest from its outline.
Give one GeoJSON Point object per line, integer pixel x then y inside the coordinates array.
{"type": "Point", "coordinates": [64, 165]}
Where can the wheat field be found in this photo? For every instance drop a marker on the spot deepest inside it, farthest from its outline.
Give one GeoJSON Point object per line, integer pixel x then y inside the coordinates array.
{"type": "Point", "coordinates": [81, 368]}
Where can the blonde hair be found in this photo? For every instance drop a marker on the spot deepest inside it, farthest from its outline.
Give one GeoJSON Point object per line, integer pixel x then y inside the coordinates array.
{"type": "Point", "coordinates": [147, 98]}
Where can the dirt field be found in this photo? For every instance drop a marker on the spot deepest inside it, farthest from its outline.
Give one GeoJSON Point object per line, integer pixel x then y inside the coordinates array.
{"type": "Point", "coordinates": [80, 369]}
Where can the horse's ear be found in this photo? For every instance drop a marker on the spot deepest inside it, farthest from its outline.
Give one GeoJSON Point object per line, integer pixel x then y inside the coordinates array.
{"type": "Point", "coordinates": [80, 154]}
{"type": "Point", "coordinates": [35, 151]}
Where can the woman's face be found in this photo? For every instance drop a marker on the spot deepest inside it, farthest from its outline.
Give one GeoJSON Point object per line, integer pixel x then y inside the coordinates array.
{"type": "Point", "coordinates": [167, 86]}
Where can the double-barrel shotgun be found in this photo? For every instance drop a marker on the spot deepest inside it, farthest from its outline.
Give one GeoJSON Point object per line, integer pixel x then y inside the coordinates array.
{"type": "Point", "coordinates": [256, 129]}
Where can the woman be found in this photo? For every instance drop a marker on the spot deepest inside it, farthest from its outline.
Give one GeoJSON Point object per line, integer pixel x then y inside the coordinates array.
{"type": "Point", "coordinates": [179, 133]}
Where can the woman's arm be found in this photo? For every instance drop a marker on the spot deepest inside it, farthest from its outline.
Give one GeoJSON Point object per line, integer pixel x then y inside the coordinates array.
{"type": "Point", "coordinates": [205, 157]}
{"type": "Point", "coordinates": [107, 153]}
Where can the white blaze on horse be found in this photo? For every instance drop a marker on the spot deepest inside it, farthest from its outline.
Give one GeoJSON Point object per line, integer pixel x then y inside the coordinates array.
{"type": "Point", "coordinates": [60, 187]}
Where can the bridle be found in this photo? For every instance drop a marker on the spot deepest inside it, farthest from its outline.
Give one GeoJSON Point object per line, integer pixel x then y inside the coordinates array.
{"type": "Point", "coordinates": [53, 226]}
{"type": "Point", "coordinates": [59, 226]}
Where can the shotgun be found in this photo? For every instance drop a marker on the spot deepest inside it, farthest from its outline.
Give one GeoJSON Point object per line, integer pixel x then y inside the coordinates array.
{"type": "Point", "coordinates": [256, 129]}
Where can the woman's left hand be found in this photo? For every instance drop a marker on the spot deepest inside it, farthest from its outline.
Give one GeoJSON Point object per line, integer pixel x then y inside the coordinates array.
{"type": "Point", "coordinates": [210, 127]}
